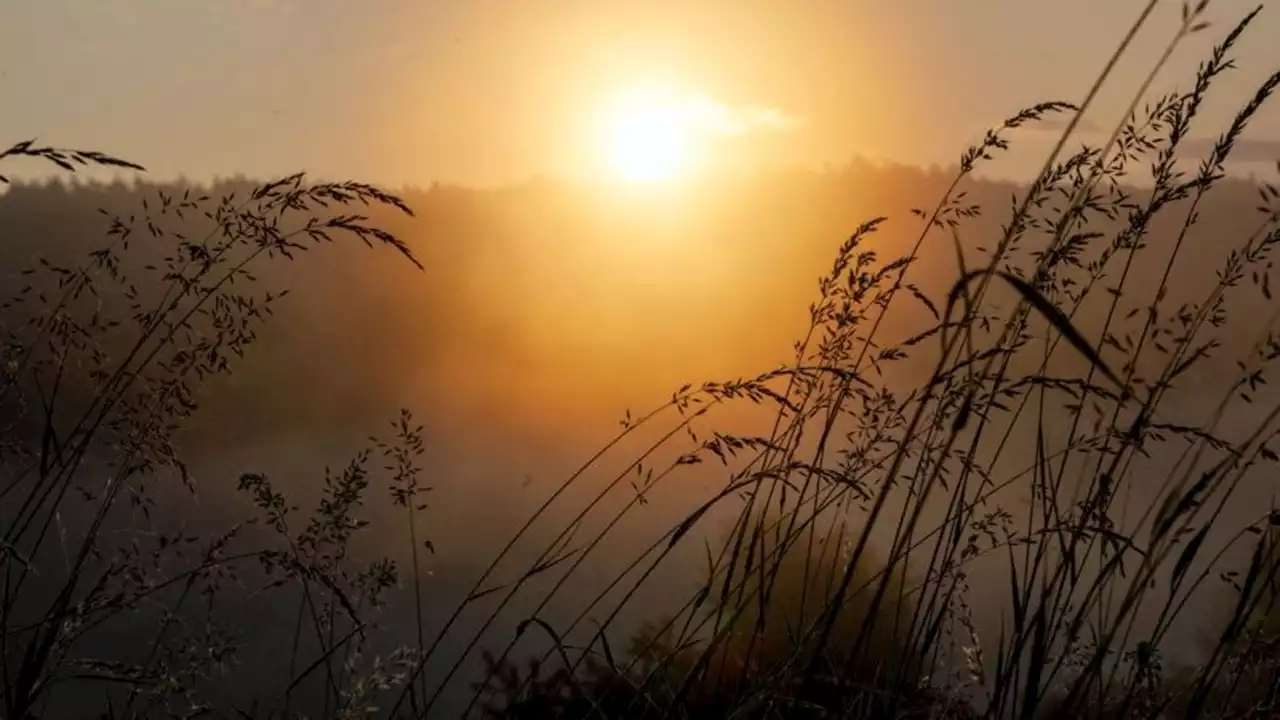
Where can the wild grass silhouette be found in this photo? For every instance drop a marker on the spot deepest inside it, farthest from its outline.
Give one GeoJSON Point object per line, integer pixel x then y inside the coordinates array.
{"type": "Point", "coordinates": [932, 450]}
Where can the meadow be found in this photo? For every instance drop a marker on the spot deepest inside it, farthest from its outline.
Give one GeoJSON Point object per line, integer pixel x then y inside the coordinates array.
{"type": "Point", "coordinates": [1011, 455]}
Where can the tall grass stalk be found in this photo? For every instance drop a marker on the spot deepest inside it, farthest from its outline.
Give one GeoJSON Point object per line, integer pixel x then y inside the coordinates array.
{"type": "Point", "coordinates": [1066, 559]}
{"type": "Point", "coordinates": [870, 527]}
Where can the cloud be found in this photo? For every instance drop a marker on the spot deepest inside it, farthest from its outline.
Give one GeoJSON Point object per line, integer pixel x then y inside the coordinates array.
{"type": "Point", "coordinates": [1244, 150]}
{"type": "Point", "coordinates": [723, 119]}
{"type": "Point", "coordinates": [1057, 125]}
{"type": "Point", "coordinates": [1256, 150]}
{"type": "Point", "coordinates": [702, 113]}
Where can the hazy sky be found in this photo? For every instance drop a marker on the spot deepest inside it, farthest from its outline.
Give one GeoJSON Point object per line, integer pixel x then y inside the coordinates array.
{"type": "Point", "coordinates": [484, 91]}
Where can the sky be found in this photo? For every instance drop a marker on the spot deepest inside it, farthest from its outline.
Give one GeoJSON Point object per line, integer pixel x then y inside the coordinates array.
{"type": "Point", "coordinates": [484, 92]}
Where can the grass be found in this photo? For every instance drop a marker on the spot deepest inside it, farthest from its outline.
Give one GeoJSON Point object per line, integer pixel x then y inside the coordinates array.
{"type": "Point", "coordinates": [857, 522]}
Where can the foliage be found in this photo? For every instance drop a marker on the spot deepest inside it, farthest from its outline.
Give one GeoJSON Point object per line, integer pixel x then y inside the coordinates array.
{"type": "Point", "coordinates": [1092, 585]}
{"type": "Point", "coordinates": [99, 374]}
{"type": "Point", "coordinates": [859, 520]}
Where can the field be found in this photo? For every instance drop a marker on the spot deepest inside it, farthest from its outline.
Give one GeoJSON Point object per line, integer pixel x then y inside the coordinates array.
{"type": "Point", "coordinates": [1011, 455]}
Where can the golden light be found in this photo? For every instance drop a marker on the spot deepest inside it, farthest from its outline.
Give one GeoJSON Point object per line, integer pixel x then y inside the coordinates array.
{"type": "Point", "coordinates": [649, 136]}
{"type": "Point", "coordinates": [656, 133]}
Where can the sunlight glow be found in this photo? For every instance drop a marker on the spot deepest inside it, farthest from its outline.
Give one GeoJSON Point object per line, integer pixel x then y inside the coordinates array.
{"type": "Point", "coordinates": [655, 134]}
{"type": "Point", "coordinates": [649, 136]}
{"type": "Point", "coordinates": [649, 144]}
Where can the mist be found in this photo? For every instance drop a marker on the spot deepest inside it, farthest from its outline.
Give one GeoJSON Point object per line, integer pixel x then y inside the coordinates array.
{"type": "Point", "coordinates": [616, 372]}
{"type": "Point", "coordinates": [540, 315]}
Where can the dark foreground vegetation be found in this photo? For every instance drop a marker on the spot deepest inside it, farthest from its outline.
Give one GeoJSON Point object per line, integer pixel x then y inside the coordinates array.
{"type": "Point", "coordinates": [1020, 463]}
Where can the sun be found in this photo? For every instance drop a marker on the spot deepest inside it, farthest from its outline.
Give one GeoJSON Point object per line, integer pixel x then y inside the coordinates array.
{"type": "Point", "coordinates": [648, 144]}
{"type": "Point", "coordinates": [649, 136]}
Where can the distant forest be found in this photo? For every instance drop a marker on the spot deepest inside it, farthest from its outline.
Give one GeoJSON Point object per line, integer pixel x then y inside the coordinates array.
{"type": "Point", "coordinates": [547, 309]}
{"type": "Point", "coordinates": [544, 287]}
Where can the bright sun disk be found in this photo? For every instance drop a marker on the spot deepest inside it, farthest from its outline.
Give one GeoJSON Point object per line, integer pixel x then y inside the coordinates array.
{"type": "Point", "coordinates": [648, 138]}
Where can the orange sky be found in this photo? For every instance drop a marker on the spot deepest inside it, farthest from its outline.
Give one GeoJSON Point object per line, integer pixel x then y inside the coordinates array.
{"type": "Point", "coordinates": [496, 91]}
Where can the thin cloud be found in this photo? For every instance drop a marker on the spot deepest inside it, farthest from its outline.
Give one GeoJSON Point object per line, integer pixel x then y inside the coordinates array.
{"type": "Point", "coordinates": [1057, 125]}
{"type": "Point", "coordinates": [723, 119]}
{"type": "Point", "coordinates": [1244, 149]}
{"type": "Point", "coordinates": [1255, 150]}
{"type": "Point", "coordinates": [702, 113]}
